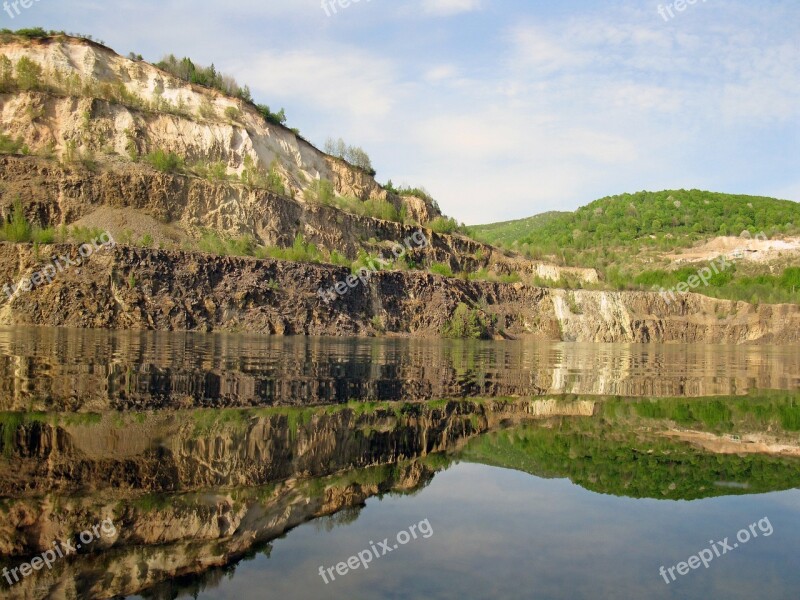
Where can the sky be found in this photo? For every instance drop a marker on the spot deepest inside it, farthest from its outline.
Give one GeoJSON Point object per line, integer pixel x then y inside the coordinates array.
{"type": "Point", "coordinates": [502, 109]}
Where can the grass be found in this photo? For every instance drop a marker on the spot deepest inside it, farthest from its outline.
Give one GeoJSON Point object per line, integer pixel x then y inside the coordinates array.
{"type": "Point", "coordinates": [17, 228]}
{"type": "Point", "coordinates": [445, 225]}
{"type": "Point", "coordinates": [322, 192]}
{"type": "Point", "coordinates": [441, 269]}
{"type": "Point", "coordinates": [9, 145]}
{"type": "Point", "coordinates": [166, 162]}
{"type": "Point", "coordinates": [214, 243]}
{"type": "Point", "coordinates": [300, 251]}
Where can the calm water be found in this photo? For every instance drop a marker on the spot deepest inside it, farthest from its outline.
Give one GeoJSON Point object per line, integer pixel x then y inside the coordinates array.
{"type": "Point", "coordinates": [500, 533]}
{"type": "Point", "coordinates": [233, 466]}
{"type": "Point", "coordinates": [59, 369]}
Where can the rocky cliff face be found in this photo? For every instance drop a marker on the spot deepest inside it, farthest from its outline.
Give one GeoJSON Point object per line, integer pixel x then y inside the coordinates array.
{"type": "Point", "coordinates": [100, 103]}
{"type": "Point", "coordinates": [92, 112]}
{"type": "Point", "coordinates": [131, 288]}
{"type": "Point", "coordinates": [92, 115]}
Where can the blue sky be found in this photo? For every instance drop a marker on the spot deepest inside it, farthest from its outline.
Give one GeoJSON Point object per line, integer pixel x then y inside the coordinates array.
{"type": "Point", "coordinates": [503, 109]}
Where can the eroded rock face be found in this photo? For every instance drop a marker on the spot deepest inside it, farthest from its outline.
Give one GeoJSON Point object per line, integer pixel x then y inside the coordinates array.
{"type": "Point", "coordinates": [134, 288]}
{"type": "Point", "coordinates": [95, 108]}
{"type": "Point", "coordinates": [178, 208]}
{"type": "Point", "coordinates": [154, 110]}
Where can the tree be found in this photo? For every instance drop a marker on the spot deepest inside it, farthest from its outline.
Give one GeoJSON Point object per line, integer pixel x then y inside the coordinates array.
{"type": "Point", "coordinates": [6, 74]}
{"type": "Point", "coordinates": [29, 74]}
{"type": "Point", "coordinates": [354, 155]}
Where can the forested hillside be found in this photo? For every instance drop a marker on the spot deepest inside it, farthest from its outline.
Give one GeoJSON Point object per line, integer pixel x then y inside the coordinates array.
{"type": "Point", "coordinates": [628, 237]}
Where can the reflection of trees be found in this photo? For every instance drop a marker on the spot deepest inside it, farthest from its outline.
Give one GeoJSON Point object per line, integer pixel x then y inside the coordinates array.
{"type": "Point", "coordinates": [193, 585]}
{"type": "Point", "coordinates": [616, 454]}
{"type": "Point", "coordinates": [344, 517]}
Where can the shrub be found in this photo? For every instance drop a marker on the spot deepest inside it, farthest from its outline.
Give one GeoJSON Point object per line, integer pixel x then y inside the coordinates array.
{"type": "Point", "coordinates": [7, 81]}
{"type": "Point", "coordinates": [443, 225]}
{"type": "Point", "coordinates": [353, 155]}
{"type": "Point", "coordinates": [43, 236]}
{"type": "Point", "coordinates": [320, 191]}
{"type": "Point", "coordinates": [339, 260]}
{"type": "Point", "coordinates": [252, 176]}
{"type": "Point", "coordinates": [8, 145]}
{"type": "Point", "coordinates": [84, 235]}
{"type": "Point", "coordinates": [301, 251]}
{"type": "Point", "coordinates": [278, 118]}
{"type": "Point", "coordinates": [17, 228]}
{"type": "Point", "coordinates": [213, 243]}
{"type": "Point", "coordinates": [232, 113]}
{"type": "Point", "coordinates": [217, 171]}
{"type": "Point", "coordinates": [29, 74]}
{"type": "Point", "coordinates": [207, 76]}
{"type": "Point", "coordinates": [166, 162]}
{"type": "Point", "coordinates": [466, 323]}
{"type": "Point", "coordinates": [33, 33]}
{"type": "Point", "coordinates": [441, 269]}
{"type": "Point", "coordinates": [274, 180]}
{"type": "Point", "coordinates": [206, 109]}
{"type": "Point", "coordinates": [381, 209]}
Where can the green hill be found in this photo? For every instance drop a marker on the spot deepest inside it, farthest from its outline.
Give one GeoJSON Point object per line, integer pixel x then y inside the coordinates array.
{"type": "Point", "coordinates": [507, 232]}
{"type": "Point", "coordinates": [627, 239]}
{"type": "Point", "coordinates": [624, 220]}
{"type": "Point", "coordinates": [620, 450]}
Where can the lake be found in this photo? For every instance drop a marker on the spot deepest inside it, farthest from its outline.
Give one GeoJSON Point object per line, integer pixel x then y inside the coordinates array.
{"type": "Point", "coordinates": [238, 466]}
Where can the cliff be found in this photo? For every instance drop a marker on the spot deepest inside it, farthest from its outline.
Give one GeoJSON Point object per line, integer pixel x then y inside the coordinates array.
{"type": "Point", "coordinates": [134, 288]}
{"type": "Point", "coordinates": [89, 118]}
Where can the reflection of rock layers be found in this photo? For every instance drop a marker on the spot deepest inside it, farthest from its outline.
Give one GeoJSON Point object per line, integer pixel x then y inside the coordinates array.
{"type": "Point", "coordinates": [182, 535]}
{"type": "Point", "coordinates": [672, 371]}
{"type": "Point", "coordinates": [265, 472]}
{"type": "Point", "coordinates": [749, 443]}
{"type": "Point", "coordinates": [189, 450]}
{"type": "Point", "coordinates": [52, 369]}
{"type": "Point", "coordinates": [240, 478]}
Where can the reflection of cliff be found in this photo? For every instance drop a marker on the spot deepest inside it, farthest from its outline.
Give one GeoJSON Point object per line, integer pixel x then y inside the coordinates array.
{"type": "Point", "coordinates": [237, 479]}
{"type": "Point", "coordinates": [55, 370]}
{"type": "Point", "coordinates": [189, 450]}
{"type": "Point", "coordinates": [253, 475]}
{"type": "Point", "coordinates": [200, 535]}
{"type": "Point", "coordinates": [642, 449]}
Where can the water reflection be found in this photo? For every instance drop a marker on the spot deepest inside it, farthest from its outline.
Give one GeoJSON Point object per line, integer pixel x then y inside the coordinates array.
{"type": "Point", "coordinates": [69, 370]}
{"type": "Point", "coordinates": [239, 480]}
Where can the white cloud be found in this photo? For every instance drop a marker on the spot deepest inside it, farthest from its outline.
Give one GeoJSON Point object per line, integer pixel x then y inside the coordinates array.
{"type": "Point", "coordinates": [440, 73]}
{"type": "Point", "coordinates": [335, 81]}
{"type": "Point", "coordinates": [537, 109]}
{"type": "Point", "coordinates": [449, 7]}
